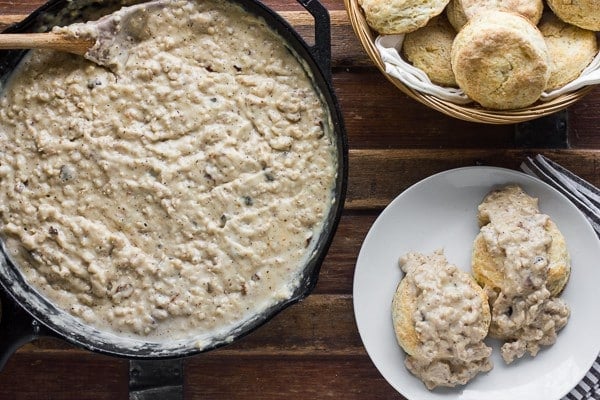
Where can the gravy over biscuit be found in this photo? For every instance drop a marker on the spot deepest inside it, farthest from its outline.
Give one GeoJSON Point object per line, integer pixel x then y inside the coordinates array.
{"type": "Point", "coordinates": [451, 319]}
{"type": "Point", "coordinates": [523, 309]}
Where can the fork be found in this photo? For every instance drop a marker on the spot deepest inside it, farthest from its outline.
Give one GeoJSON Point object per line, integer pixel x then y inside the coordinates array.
{"type": "Point", "coordinates": [584, 195]}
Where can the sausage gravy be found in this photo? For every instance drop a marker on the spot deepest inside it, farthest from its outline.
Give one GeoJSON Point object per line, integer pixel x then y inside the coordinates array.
{"type": "Point", "coordinates": [523, 309]}
{"type": "Point", "coordinates": [181, 193]}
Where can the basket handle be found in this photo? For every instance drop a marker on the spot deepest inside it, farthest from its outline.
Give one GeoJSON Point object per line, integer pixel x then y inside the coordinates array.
{"type": "Point", "coordinates": [321, 50]}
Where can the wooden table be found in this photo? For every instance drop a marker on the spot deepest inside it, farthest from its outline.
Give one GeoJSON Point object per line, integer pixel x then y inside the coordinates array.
{"type": "Point", "coordinates": [312, 350]}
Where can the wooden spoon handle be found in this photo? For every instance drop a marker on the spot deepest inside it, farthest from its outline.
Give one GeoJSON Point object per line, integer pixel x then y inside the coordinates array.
{"type": "Point", "coordinates": [49, 40]}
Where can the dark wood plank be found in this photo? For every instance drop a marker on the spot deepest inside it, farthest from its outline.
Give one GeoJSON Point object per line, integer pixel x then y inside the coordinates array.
{"type": "Point", "coordinates": [210, 376]}
{"type": "Point", "coordinates": [377, 176]}
{"type": "Point", "coordinates": [61, 375]}
{"type": "Point", "coordinates": [378, 115]}
{"type": "Point", "coordinates": [337, 271]}
{"type": "Point", "coordinates": [584, 122]}
{"type": "Point", "coordinates": [314, 377]}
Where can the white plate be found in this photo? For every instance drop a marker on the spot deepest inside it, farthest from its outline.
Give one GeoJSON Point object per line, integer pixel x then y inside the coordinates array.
{"type": "Point", "coordinates": [440, 212]}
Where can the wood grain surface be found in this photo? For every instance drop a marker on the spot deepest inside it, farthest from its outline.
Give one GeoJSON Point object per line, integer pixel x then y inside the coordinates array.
{"type": "Point", "coordinates": [312, 350]}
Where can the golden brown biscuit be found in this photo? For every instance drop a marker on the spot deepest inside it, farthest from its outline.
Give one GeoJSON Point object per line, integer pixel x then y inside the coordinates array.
{"type": "Point", "coordinates": [487, 272]}
{"type": "Point", "coordinates": [500, 60]}
{"type": "Point", "coordinates": [461, 11]}
{"type": "Point", "coordinates": [429, 49]}
{"type": "Point", "coordinates": [571, 49]}
{"type": "Point", "coordinates": [582, 13]}
{"type": "Point", "coordinates": [441, 316]}
{"type": "Point", "coordinates": [389, 17]}
{"type": "Point", "coordinates": [491, 267]}
{"type": "Point", "coordinates": [404, 305]}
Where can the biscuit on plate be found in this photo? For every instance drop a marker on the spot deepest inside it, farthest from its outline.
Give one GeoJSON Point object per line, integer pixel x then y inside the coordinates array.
{"type": "Point", "coordinates": [429, 49]}
{"type": "Point", "coordinates": [441, 317]}
{"type": "Point", "coordinates": [390, 17]}
{"type": "Point", "coordinates": [488, 266]}
{"type": "Point", "coordinates": [501, 60]}
{"type": "Point", "coordinates": [487, 269]}
{"type": "Point", "coordinates": [571, 49]}
{"type": "Point", "coordinates": [461, 11]}
{"type": "Point", "coordinates": [582, 13]}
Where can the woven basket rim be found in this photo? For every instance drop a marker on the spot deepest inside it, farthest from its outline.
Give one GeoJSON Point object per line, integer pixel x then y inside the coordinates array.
{"type": "Point", "coordinates": [470, 112]}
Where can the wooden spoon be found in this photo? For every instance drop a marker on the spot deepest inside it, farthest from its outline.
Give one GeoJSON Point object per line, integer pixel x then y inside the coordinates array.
{"type": "Point", "coordinates": [113, 36]}
{"type": "Point", "coordinates": [50, 40]}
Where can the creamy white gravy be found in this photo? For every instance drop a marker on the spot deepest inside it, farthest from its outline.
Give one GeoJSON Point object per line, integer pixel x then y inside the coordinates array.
{"type": "Point", "coordinates": [448, 322]}
{"type": "Point", "coordinates": [181, 194]}
{"type": "Point", "coordinates": [523, 309]}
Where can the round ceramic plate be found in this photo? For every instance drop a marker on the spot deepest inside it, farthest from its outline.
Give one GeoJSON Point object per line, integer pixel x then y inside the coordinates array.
{"type": "Point", "coordinates": [440, 213]}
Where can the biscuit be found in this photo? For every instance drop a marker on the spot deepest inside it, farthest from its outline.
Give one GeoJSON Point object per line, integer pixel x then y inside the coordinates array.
{"type": "Point", "coordinates": [404, 305]}
{"type": "Point", "coordinates": [461, 11]}
{"type": "Point", "coordinates": [487, 269]}
{"type": "Point", "coordinates": [500, 60]}
{"type": "Point", "coordinates": [582, 13]}
{"type": "Point", "coordinates": [571, 49]}
{"type": "Point", "coordinates": [429, 50]}
{"type": "Point", "coordinates": [390, 17]}
{"type": "Point", "coordinates": [441, 316]}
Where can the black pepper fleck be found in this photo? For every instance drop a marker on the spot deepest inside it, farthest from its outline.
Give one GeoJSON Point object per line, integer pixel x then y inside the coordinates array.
{"type": "Point", "coordinates": [269, 176]}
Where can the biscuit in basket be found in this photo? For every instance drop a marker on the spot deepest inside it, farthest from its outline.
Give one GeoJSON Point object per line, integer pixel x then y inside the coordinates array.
{"type": "Point", "coordinates": [582, 13]}
{"type": "Point", "coordinates": [461, 11]}
{"type": "Point", "coordinates": [390, 17]}
{"type": "Point", "coordinates": [571, 49]}
{"type": "Point", "coordinates": [440, 317]}
{"type": "Point", "coordinates": [501, 60]}
{"type": "Point", "coordinates": [429, 49]}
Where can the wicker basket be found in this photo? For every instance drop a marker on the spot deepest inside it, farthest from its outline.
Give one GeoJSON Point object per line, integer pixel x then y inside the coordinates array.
{"type": "Point", "coordinates": [469, 112]}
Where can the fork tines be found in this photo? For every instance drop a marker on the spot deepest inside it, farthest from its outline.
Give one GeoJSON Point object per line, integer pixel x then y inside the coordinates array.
{"type": "Point", "coordinates": [581, 193]}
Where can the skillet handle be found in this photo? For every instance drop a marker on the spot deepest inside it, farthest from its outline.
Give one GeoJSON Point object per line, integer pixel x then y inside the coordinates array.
{"type": "Point", "coordinates": [17, 328]}
{"type": "Point", "coordinates": [321, 50]}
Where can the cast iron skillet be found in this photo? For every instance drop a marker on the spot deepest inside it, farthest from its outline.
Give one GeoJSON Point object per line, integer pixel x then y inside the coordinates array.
{"type": "Point", "coordinates": [26, 315]}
